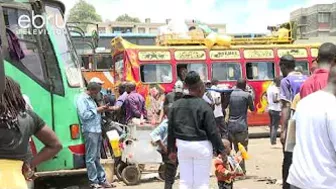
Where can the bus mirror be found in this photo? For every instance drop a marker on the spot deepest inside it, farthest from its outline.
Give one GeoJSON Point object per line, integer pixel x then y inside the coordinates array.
{"type": "Point", "coordinates": [2, 74]}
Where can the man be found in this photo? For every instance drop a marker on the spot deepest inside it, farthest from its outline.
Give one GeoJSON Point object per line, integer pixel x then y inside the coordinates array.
{"type": "Point", "coordinates": [218, 110]}
{"type": "Point", "coordinates": [90, 118]}
{"type": "Point", "coordinates": [274, 108]}
{"type": "Point", "coordinates": [208, 96]}
{"type": "Point", "coordinates": [314, 156]}
{"type": "Point", "coordinates": [134, 104]}
{"type": "Point", "coordinates": [318, 80]}
{"type": "Point", "coordinates": [100, 96]}
{"type": "Point", "coordinates": [290, 86]}
{"type": "Point", "coordinates": [175, 95]}
{"type": "Point", "coordinates": [239, 103]}
{"type": "Point", "coordinates": [119, 106]}
{"type": "Point", "coordinates": [192, 129]}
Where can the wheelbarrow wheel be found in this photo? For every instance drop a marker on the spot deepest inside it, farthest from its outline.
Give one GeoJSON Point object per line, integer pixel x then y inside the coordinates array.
{"type": "Point", "coordinates": [119, 169]}
{"type": "Point", "coordinates": [131, 175]}
{"type": "Point", "coordinates": [161, 172]}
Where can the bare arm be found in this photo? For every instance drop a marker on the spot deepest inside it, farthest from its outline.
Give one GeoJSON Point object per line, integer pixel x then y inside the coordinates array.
{"type": "Point", "coordinates": [51, 148]}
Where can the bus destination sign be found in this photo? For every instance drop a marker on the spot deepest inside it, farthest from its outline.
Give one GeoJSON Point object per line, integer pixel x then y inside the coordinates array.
{"type": "Point", "coordinates": [224, 54]}
{"type": "Point", "coordinates": [297, 53]}
{"type": "Point", "coordinates": [190, 55]}
{"type": "Point", "coordinates": [153, 55]}
{"type": "Point", "coordinates": [258, 53]}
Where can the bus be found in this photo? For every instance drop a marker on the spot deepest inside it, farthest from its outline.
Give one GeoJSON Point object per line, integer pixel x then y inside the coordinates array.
{"type": "Point", "coordinates": [158, 66]}
{"type": "Point", "coordinates": [98, 62]}
{"type": "Point", "coordinates": [47, 68]}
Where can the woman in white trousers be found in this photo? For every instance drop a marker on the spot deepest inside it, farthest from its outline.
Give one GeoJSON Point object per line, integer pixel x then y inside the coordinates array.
{"type": "Point", "coordinates": [192, 129]}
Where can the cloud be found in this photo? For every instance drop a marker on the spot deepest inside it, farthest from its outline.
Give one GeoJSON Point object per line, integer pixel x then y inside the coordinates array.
{"type": "Point", "coordinates": [241, 16]}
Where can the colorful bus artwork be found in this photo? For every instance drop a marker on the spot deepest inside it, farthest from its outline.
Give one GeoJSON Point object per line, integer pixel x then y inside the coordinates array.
{"type": "Point", "coordinates": [158, 67]}
{"type": "Point", "coordinates": [49, 74]}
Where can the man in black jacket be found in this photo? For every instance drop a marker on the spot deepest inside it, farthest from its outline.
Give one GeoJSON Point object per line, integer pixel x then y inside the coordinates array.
{"type": "Point", "coordinates": [192, 126]}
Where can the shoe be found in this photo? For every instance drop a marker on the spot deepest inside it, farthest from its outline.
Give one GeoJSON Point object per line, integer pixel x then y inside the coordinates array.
{"type": "Point", "coordinates": [107, 185]}
{"type": "Point", "coordinates": [95, 186]}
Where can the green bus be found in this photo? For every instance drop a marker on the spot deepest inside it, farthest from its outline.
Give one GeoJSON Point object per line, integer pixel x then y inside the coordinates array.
{"type": "Point", "coordinates": [38, 53]}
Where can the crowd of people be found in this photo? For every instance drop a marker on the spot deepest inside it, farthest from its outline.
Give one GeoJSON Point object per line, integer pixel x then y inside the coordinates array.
{"type": "Point", "coordinates": [193, 129]}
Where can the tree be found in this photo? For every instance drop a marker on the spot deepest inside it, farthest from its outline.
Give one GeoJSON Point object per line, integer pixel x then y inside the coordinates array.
{"type": "Point", "coordinates": [127, 18]}
{"type": "Point", "coordinates": [83, 12]}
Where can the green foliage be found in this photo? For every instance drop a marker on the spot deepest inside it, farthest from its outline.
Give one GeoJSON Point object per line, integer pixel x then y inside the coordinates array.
{"type": "Point", "coordinates": [127, 18]}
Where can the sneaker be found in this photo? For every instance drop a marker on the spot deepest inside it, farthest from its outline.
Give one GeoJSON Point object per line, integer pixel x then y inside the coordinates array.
{"type": "Point", "coordinates": [107, 185]}
{"type": "Point", "coordinates": [95, 186]}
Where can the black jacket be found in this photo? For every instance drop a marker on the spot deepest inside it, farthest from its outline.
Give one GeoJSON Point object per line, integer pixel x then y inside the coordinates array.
{"type": "Point", "coordinates": [192, 119]}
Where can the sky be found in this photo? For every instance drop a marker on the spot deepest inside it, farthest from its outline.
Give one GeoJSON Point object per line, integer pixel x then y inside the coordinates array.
{"type": "Point", "coordinates": [241, 16]}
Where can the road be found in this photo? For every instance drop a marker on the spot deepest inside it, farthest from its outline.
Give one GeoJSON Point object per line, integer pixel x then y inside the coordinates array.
{"type": "Point", "coordinates": [263, 167]}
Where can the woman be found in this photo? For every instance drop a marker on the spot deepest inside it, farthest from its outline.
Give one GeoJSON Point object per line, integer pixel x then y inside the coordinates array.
{"type": "Point", "coordinates": [17, 125]}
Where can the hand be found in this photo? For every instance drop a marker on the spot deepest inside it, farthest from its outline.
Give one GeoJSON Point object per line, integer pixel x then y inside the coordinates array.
{"type": "Point", "coordinates": [164, 150]}
{"type": "Point", "coordinates": [282, 137]}
{"type": "Point", "coordinates": [172, 157]}
{"type": "Point", "coordinates": [28, 172]}
{"type": "Point", "coordinates": [102, 108]}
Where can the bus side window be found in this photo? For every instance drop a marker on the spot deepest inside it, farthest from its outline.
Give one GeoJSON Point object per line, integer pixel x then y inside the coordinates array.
{"type": "Point", "coordinates": [302, 66]}
{"type": "Point", "coordinates": [32, 59]}
{"type": "Point", "coordinates": [156, 73]}
{"type": "Point", "coordinates": [260, 70]}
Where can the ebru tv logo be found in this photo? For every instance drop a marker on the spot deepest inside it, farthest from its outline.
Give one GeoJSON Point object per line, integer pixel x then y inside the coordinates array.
{"type": "Point", "coordinates": [35, 24]}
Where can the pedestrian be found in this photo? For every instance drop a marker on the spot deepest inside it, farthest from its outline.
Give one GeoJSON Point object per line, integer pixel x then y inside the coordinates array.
{"type": "Point", "coordinates": [290, 86]}
{"type": "Point", "coordinates": [274, 108]}
{"type": "Point", "coordinates": [17, 125]}
{"type": "Point", "coordinates": [225, 173]}
{"type": "Point", "coordinates": [90, 118]}
{"type": "Point", "coordinates": [240, 102]}
{"type": "Point", "coordinates": [176, 94]}
{"type": "Point", "coordinates": [119, 106]}
{"type": "Point", "coordinates": [318, 80]}
{"type": "Point", "coordinates": [159, 137]}
{"type": "Point", "coordinates": [218, 110]}
{"type": "Point", "coordinates": [134, 104]}
{"type": "Point", "coordinates": [314, 157]}
{"type": "Point", "coordinates": [208, 96]}
{"type": "Point", "coordinates": [100, 96]}
{"type": "Point", "coordinates": [192, 125]}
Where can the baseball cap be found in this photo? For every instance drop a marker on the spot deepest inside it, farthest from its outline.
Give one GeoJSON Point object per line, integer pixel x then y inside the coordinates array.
{"type": "Point", "coordinates": [207, 82]}
{"type": "Point", "coordinates": [178, 88]}
{"type": "Point", "coordinates": [96, 80]}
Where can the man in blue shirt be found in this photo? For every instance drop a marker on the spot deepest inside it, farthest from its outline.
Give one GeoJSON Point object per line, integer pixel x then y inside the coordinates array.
{"type": "Point", "coordinates": [90, 118]}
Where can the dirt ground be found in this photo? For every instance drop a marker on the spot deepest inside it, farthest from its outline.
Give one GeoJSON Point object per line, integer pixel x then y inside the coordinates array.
{"type": "Point", "coordinates": [263, 170]}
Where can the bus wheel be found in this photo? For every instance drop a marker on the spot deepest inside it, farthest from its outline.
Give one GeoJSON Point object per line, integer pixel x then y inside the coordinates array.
{"type": "Point", "coordinates": [119, 169]}
{"type": "Point", "coordinates": [131, 175]}
{"type": "Point", "coordinates": [161, 172]}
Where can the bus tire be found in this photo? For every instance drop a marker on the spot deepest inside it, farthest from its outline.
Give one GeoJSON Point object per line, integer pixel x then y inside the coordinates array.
{"type": "Point", "coordinates": [119, 169]}
{"type": "Point", "coordinates": [131, 175]}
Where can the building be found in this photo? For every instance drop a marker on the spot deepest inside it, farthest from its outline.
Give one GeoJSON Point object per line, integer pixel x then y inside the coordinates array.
{"type": "Point", "coordinates": [146, 27]}
{"type": "Point", "coordinates": [315, 21]}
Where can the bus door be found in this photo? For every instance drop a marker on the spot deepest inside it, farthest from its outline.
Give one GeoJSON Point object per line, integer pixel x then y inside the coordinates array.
{"type": "Point", "coordinates": [260, 72]}
{"type": "Point", "coordinates": [191, 60]}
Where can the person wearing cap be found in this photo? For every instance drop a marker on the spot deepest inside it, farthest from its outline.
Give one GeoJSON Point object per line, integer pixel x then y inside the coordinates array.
{"type": "Point", "coordinates": [290, 86]}
{"type": "Point", "coordinates": [207, 97]}
{"type": "Point", "coordinates": [176, 94]}
{"type": "Point", "coordinates": [318, 80]}
{"type": "Point", "coordinates": [100, 97]}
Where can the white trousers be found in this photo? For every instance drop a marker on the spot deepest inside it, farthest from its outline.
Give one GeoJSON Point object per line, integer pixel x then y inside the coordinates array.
{"type": "Point", "coordinates": [195, 163]}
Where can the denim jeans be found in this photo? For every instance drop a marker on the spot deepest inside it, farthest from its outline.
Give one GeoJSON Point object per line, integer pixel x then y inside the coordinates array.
{"type": "Point", "coordinates": [274, 124]}
{"type": "Point", "coordinates": [95, 170]}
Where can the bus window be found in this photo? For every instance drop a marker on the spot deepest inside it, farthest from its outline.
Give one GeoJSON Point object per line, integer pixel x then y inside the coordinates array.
{"type": "Point", "coordinates": [302, 66]}
{"type": "Point", "coordinates": [200, 68]}
{"type": "Point", "coordinates": [85, 62]}
{"type": "Point", "coordinates": [226, 71]}
{"type": "Point", "coordinates": [119, 68]}
{"type": "Point", "coordinates": [156, 73]}
{"type": "Point", "coordinates": [32, 60]}
{"type": "Point", "coordinates": [260, 70]}
{"type": "Point", "coordinates": [104, 62]}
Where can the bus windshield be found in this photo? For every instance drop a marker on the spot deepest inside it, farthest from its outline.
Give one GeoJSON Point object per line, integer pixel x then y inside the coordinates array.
{"type": "Point", "coordinates": [65, 47]}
